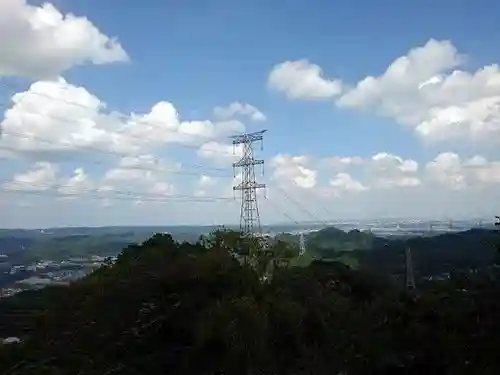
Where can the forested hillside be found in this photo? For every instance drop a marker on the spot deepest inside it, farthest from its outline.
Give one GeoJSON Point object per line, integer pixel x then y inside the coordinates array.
{"type": "Point", "coordinates": [432, 255]}
{"type": "Point", "coordinates": [180, 308]}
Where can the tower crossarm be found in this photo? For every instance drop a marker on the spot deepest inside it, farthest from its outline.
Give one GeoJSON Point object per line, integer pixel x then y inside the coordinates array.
{"type": "Point", "coordinates": [248, 137]}
{"type": "Point", "coordinates": [249, 186]}
{"type": "Point", "coordinates": [247, 162]}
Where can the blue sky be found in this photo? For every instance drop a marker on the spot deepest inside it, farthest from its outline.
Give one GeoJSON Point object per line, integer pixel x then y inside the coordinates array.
{"type": "Point", "coordinates": [201, 55]}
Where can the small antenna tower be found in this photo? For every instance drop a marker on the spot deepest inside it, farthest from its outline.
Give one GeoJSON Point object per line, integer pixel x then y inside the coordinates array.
{"type": "Point", "coordinates": [302, 244]}
{"type": "Point", "coordinates": [410, 279]}
{"type": "Point", "coordinates": [249, 213]}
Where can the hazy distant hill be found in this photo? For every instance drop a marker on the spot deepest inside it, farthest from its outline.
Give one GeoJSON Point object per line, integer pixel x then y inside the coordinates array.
{"type": "Point", "coordinates": [62, 243]}
{"type": "Point", "coordinates": [472, 249]}
{"type": "Point", "coordinates": [338, 240]}
{"type": "Point", "coordinates": [431, 255]}
{"type": "Point", "coordinates": [328, 241]}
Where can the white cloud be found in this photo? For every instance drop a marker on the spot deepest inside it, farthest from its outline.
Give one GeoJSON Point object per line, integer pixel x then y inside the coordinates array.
{"type": "Point", "coordinates": [343, 162]}
{"type": "Point", "coordinates": [203, 185]}
{"type": "Point", "coordinates": [301, 79]}
{"type": "Point", "coordinates": [144, 174]}
{"type": "Point", "coordinates": [127, 179]}
{"type": "Point", "coordinates": [293, 170]}
{"type": "Point", "coordinates": [426, 91]}
{"type": "Point", "coordinates": [343, 182]}
{"type": "Point", "coordinates": [449, 185]}
{"type": "Point", "coordinates": [239, 109]}
{"type": "Point", "coordinates": [41, 176]}
{"type": "Point", "coordinates": [163, 125]}
{"type": "Point", "coordinates": [79, 183]}
{"type": "Point", "coordinates": [384, 170]}
{"type": "Point", "coordinates": [451, 170]}
{"type": "Point", "coordinates": [44, 111]}
{"type": "Point", "coordinates": [388, 162]}
{"type": "Point", "coordinates": [56, 116]}
{"type": "Point", "coordinates": [229, 128]}
{"type": "Point", "coordinates": [207, 180]}
{"type": "Point", "coordinates": [391, 171]}
{"type": "Point", "coordinates": [220, 153]}
{"type": "Point", "coordinates": [45, 177]}
{"type": "Point", "coordinates": [41, 42]}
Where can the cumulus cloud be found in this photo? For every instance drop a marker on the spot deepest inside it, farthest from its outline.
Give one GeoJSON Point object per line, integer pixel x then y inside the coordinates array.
{"type": "Point", "coordinates": [343, 162]}
{"type": "Point", "coordinates": [426, 91]}
{"type": "Point", "coordinates": [228, 128]}
{"type": "Point", "coordinates": [301, 79]}
{"type": "Point", "coordinates": [41, 176]}
{"type": "Point", "coordinates": [454, 172]}
{"type": "Point", "coordinates": [393, 171]}
{"type": "Point", "coordinates": [131, 177]}
{"type": "Point", "coordinates": [295, 170]}
{"type": "Point", "coordinates": [206, 180]}
{"type": "Point", "coordinates": [146, 174]}
{"type": "Point", "coordinates": [56, 116]}
{"type": "Point", "coordinates": [343, 182]}
{"type": "Point", "coordinates": [239, 109]}
{"type": "Point", "coordinates": [204, 184]}
{"type": "Point", "coordinates": [383, 184]}
{"type": "Point", "coordinates": [41, 42]}
{"type": "Point", "coordinates": [46, 177]}
{"type": "Point", "coordinates": [220, 153]}
{"type": "Point", "coordinates": [66, 116]}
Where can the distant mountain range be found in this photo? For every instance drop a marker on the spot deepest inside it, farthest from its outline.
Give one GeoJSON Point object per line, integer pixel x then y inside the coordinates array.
{"type": "Point", "coordinates": [371, 244]}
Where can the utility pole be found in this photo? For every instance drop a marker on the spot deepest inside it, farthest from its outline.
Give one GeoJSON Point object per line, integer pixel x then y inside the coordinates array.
{"type": "Point", "coordinates": [249, 213]}
{"type": "Point", "coordinates": [410, 279]}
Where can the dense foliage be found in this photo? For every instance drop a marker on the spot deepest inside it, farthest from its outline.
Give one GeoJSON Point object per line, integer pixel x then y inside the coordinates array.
{"type": "Point", "coordinates": [179, 308]}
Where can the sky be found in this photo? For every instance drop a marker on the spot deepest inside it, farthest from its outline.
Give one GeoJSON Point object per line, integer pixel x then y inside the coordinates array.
{"type": "Point", "coordinates": [120, 113]}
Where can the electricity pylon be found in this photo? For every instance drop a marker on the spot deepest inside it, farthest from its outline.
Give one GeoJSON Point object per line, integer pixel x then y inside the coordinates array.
{"type": "Point", "coordinates": [302, 244]}
{"type": "Point", "coordinates": [249, 212]}
{"type": "Point", "coordinates": [410, 279]}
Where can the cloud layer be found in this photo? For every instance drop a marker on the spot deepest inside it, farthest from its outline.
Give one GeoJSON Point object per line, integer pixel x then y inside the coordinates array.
{"type": "Point", "coordinates": [72, 159]}
{"type": "Point", "coordinates": [425, 90]}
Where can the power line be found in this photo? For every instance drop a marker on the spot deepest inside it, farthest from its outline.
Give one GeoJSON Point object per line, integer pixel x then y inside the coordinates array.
{"type": "Point", "coordinates": [248, 214]}
{"type": "Point", "coordinates": [119, 115]}
{"type": "Point", "coordinates": [135, 198]}
{"type": "Point", "coordinates": [283, 212]}
{"type": "Point", "coordinates": [102, 193]}
{"type": "Point", "coordinates": [92, 148]}
{"type": "Point", "coordinates": [137, 167]}
{"type": "Point", "coordinates": [301, 206]}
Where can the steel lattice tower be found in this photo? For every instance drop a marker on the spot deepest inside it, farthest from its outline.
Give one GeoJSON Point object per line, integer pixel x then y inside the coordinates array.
{"type": "Point", "coordinates": [249, 214]}
{"type": "Point", "coordinates": [302, 244]}
{"type": "Point", "coordinates": [410, 279]}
